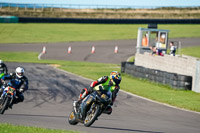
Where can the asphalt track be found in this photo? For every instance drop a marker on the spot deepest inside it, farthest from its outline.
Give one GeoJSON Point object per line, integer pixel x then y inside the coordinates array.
{"type": "Point", "coordinates": [48, 102]}
{"type": "Point", "coordinates": [81, 51]}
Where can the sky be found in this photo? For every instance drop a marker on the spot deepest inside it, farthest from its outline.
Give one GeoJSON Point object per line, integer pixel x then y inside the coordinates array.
{"type": "Point", "coordinates": [113, 2]}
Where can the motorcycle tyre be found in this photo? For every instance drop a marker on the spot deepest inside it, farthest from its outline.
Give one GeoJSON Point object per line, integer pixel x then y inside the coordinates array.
{"type": "Point", "coordinates": [5, 105]}
{"type": "Point", "coordinates": [72, 119]}
{"type": "Point", "coordinates": [96, 114]}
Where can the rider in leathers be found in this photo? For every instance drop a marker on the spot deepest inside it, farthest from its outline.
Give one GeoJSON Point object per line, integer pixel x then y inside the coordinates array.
{"type": "Point", "coordinates": [3, 67]}
{"type": "Point", "coordinates": [19, 82]}
{"type": "Point", "coordinates": [3, 71]}
{"type": "Point", "coordinates": [109, 83]}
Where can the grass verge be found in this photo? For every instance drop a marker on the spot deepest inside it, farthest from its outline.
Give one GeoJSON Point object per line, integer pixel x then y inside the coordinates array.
{"type": "Point", "coordinates": [8, 128]}
{"type": "Point", "coordinates": [191, 51]}
{"type": "Point", "coordinates": [48, 33]}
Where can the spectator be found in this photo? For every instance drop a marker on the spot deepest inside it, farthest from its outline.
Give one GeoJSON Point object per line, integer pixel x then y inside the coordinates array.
{"type": "Point", "coordinates": [161, 43]}
{"type": "Point", "coordinates": [156, 51]}
{"type": "Point", "coordinates": [172, 49]}
{"type": "Point", "coordinates": [145, 41]}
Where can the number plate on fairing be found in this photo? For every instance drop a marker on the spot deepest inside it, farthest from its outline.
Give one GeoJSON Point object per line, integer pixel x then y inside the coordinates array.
{"type": "Point", "coordinates": [10, 90]}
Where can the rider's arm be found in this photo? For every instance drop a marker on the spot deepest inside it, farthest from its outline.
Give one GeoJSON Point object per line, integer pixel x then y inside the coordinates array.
{"type": "Point", "coordinates": [7, 77]}
{"type": "Point", "coordinates": [25, 84]}
{"type": "Point", "coordinates": [99, 81]}
{"type": "Point", "coordinates": [86, 91]}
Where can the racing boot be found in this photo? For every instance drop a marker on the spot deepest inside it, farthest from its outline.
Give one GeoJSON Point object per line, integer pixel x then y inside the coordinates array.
{"type": "Point", "coordinates": [76, 104]}
{"type": "Point", "coordinates": [10, 106]}
{"type": "Point", "coordinates": [108, 110]}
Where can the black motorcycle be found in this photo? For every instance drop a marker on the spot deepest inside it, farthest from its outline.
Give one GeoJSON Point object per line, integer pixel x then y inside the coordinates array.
{"type": "Point", "coordinates": [91, 107]}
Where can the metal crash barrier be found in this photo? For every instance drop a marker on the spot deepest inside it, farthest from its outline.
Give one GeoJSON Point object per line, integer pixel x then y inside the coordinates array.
{"type": "Point", "coordinates": [9, 19]}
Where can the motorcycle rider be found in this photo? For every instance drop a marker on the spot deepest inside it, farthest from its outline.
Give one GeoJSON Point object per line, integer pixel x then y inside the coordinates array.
{"type": "Point", "coordinates": [109, 83]}
{"type": "Point", "coordinates": [3, 71]}
{"type": "Point", "coordinates": [3, 67]}
{"type": "Point", "coordinates": [18, 81]}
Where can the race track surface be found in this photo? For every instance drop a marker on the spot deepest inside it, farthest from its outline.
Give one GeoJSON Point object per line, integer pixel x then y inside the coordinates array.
{"type": "Point", "coordinates": [48, 103]}
{"type": "Point", "coordinates": [81, 51]}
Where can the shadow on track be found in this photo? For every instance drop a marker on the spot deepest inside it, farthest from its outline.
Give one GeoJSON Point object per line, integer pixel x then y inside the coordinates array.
{"type": "Point", "coordinates": [123, 129]}
{"type": "Point", "coordinates": [46, 116]}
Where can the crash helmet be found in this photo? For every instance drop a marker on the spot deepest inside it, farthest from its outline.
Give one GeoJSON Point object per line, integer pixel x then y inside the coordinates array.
{"type": "Point", "coordinates": [116, 77]}
{"type": "Point", "coordinates": [19, 72]}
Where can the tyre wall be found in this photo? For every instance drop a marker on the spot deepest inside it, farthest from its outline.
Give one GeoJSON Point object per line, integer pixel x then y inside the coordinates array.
{"type": "Point", "coordinates": [175, 66]}
{"type": "Point", "coordinates": [174, 80]}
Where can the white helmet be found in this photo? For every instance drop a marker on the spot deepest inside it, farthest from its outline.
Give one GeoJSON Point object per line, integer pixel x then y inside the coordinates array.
{"type": "Point", "coordinates": [19, 72]}
{"type": "Point", "coordinates": [1, 61]}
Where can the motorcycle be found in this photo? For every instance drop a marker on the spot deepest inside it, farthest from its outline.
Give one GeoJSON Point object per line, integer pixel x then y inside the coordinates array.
{"type": "Point", "coordinates": [91, 107]}
{"type": "Point", "coordinates": [6, 98]}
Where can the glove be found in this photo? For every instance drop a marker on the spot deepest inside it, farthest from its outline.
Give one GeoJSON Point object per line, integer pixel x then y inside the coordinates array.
{"type": "Point", "coordinates": [21, 90]}
{"type": "Point", "coordinates": [3, 81]}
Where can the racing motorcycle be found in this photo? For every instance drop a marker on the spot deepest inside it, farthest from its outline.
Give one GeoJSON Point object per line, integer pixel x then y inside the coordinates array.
{"type": "Point", "coordinates": [6, 98]}
{"type": "Point", "coordinates": [91, 107]}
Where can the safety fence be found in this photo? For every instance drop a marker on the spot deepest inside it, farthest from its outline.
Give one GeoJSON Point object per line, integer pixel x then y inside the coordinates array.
{"type": "Point", "coordinates": [174, 80]}
{"type": "Point", "coordinates": [14, 19]}
{"type": "Point", "coordinates": [108, 21]}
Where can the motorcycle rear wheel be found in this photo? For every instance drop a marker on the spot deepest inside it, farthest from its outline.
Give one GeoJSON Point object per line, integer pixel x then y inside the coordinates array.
{"type": "Point", "coordinates": [92, 116]}
{"type": "Point", "coordinates": [4, 104]}
{"type": "Point", "coordinates": [72, 119]}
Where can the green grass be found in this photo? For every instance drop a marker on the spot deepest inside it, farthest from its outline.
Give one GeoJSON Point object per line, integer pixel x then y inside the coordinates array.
{"type": "Point", "coordinates": [47, 33]}
{"type": "Point", "coordinates": [8, 128]}
{"type": "Point", "coordinates": [162, 93]}
{"type": "Point", "coordinates": [192, 51]}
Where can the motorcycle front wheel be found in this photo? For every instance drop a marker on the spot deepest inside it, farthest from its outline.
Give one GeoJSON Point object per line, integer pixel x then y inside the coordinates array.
{"type": "Point", "coordinates": [92, 115]}
{"type": "Point", "coordinates": [72, 119]}
{"type": "Point", "coordinates": [4, 104]}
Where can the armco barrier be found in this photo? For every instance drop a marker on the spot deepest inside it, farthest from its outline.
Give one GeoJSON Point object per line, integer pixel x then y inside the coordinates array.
{"type": "Point", "coordinates": [175, 80]}
{"type": "Point", "coordinates": [8, 19]}
{"type": "Point", "coordinates": [108, 21]}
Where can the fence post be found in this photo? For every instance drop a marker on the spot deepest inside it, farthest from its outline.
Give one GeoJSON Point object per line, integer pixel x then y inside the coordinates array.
{"type": "Point", "coordinates": [179, 48]}
{"type": "Point", "coordinates": [197, 77]}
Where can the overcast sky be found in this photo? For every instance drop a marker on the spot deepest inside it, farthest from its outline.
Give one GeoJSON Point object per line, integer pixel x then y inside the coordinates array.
{"type": "Point", "coordinates": [113, 2]}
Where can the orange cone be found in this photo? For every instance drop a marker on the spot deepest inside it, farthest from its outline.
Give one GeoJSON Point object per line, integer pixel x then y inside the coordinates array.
{"type": "Point", "coordinates": [93, 50]}
{"type": "Point", "coordinates": [116, 49]}
{"type": "Point", "coordinates": [69, 50]}
{"type": "Point", "coordinates": [44, 50]}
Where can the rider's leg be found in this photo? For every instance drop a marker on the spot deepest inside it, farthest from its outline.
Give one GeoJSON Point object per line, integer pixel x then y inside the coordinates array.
{"type": "Point", "coordinates": [20, 98]}
{"type": "Point", "coordinates": [82, 95]}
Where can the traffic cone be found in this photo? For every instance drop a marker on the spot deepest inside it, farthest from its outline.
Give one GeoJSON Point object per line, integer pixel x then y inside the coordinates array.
{"type": "Point", "coordinates": [69, 50]}
{"type": "Point", "coordinates": [44, 50]}
{"type": "Point", "coordinates": [93, 50]}
{"type": "Point", "coordinates": [116, 49]}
